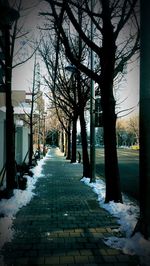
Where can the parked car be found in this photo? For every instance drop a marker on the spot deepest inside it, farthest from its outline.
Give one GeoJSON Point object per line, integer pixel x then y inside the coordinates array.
{"type": "Point", "coordinates": [135, 147]}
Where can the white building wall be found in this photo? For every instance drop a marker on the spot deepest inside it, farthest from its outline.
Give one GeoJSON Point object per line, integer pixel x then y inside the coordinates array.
{"type": "Point", "coordinates": [18, 145]}
{"type": "Point", "coordinates": [22, 144]}
{"type": "Point", "coordinates": [2, 140]}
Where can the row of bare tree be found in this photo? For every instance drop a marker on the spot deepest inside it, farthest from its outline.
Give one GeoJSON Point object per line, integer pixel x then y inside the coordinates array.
{"type": "Point", "coordinates": [114, 41]}
{"type": "Point", "coordinates": [110, 29]}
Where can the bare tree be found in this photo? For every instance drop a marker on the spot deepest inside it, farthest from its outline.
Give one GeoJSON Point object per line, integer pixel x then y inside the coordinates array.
{"type": "Point", "coordinates": [10, 11]}
{"type": "Point", "coordinates": [133, 126]}
{"type": "Point", "coordinates": [115, 41]}
{"type": "Point", "coordinates": [7, 17]}
{"type": "Point", "coordinates": [127, 130]}
{"type": "Point", "coordinates": [70, 95]}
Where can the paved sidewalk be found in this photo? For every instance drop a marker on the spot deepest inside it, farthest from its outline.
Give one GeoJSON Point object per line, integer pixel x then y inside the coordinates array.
{"type": "Point", "coordinates": [63, 223]}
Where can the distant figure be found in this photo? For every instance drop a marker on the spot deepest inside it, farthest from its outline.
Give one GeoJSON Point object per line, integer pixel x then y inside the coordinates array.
{"type": "Point", "coordinates": [37, 154]}
{"type": "Point", "coordinates": [79, 157]}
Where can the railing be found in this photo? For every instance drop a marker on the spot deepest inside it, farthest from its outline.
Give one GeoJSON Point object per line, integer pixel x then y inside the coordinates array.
{"type": "Point", "coordinates": [25, 157]}
{"type": "Point", "coordinates": [2, 174]}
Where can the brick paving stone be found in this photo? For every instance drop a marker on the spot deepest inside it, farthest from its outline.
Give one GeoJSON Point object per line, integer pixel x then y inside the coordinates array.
{"type": "Point", "coordinates": [66, 259]}
{"type": "Point", "coordinates": [81, 259]}
{"type": "Point", "coordinates": [120, 264]}
{"type": "Point", "coordinates": [73, 253]}
{"type": "Point", "coordinates": [52, 260]}
{"type": "Point", "coordinates": [96, 259]}
{"type": "Point", "coordinates": [110, 259]}
{"type": "Point", "coordinates": [63, 224]}
{"type": "Point", "coordinates": [35, 261]}
{"type": "Point", "coordinates": [113, 252]}
{"type": "Point", "coordinates": [86, 252]}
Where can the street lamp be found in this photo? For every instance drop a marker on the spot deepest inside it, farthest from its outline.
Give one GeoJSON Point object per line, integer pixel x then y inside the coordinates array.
{"type": "Point", "coordinates": [7, 16]}
{"type": "Point", "coordinates": [92, 114]}
{"type": "Point", "coordinates": [71, 68]}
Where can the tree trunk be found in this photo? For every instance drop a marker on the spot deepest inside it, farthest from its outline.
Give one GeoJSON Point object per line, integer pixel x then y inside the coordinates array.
{"type": "Point", "coordinates": [85, 156]}
{"type": "Point", "coordinates": [68, 155]}
{"type": "Point", "coordinates": [31, 135]}
{"type": "Point", "coordinates": [113, 191]}
{"type": "Point", "coordinates": [10, 127]}
{"type": "Point", "coordinates": [74, 139]}
{"type": "Point", "coordinates": [31, 147]}
{"type": "Point", "coordinates": [62, 141]}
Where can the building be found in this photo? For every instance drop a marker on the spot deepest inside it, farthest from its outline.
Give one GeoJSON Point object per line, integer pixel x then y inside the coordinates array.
{"type": "Point", "coordinates": [21, 130]}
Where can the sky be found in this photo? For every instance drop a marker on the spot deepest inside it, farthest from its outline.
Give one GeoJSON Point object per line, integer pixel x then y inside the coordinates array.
{"type": "Point", "coordinates": [125, 213]}
{"type": "Point", "coordinates": [22, 75]}
{"type": "Point", "coordinates": [128, 91]}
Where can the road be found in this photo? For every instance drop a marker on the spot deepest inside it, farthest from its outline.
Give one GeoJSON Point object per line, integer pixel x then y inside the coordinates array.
{"type": "Point", "coordinates": [128, 167]}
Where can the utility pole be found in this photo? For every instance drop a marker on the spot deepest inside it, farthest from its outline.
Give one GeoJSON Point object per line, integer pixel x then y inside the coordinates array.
{"type": "Point", "coordinates": [44, 133]}
{"type": "Point", "coordinates": [31, 114]}
{"type": "Point", "coordinates": [7, 16]}
{"type": "Point", "coordinates": [92, 115]}
{"type": "Point", "coordinates": [73, 70]}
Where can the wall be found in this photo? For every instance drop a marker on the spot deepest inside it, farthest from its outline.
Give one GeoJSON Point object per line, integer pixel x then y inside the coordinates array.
{"type": "Point", "coordinates": [22, 143]}
{"type": "Point", "coordinates": [2, 139]}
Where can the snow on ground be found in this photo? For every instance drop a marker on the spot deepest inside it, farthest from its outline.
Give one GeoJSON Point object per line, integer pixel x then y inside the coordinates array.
{"type": "Point", "coordinates": [126, 214]}
{"type": "Point", "coordinates": [20, 198]}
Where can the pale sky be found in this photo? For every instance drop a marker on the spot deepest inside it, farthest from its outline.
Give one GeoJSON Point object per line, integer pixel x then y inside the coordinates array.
{"type": "Point", "coordinates": [23, 74]}
{"type": "Point", "coordinates": [129, 89]}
